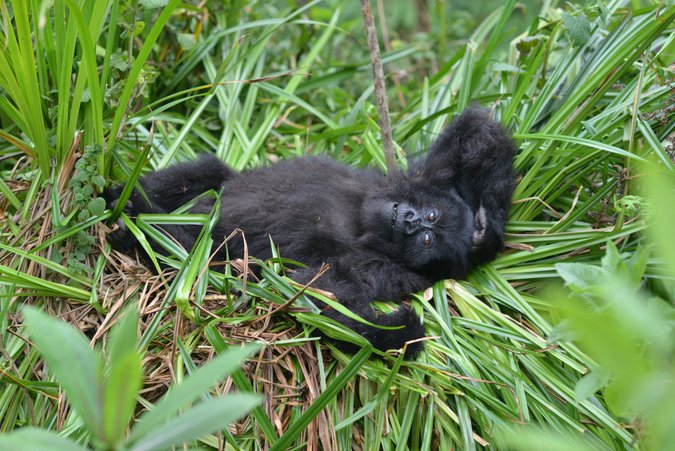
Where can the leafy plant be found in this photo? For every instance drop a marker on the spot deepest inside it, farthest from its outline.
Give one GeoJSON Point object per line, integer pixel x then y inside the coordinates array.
{"type": "Point", "coordinates": [84, 184]}
{"type": "Point", "coordinates": [102, 390]}
{"type": "Point", "coordinates": [628, 331]}
{"type": "Point", "coordinates": [587, 96]}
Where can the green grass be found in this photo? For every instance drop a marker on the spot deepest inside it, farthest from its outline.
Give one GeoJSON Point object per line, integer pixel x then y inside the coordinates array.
{"type": "Point", "coordinates": [510, 362]}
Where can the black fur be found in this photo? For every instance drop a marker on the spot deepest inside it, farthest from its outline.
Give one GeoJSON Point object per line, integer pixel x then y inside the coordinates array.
{"type": "Point", "coordinates": [383, 237]}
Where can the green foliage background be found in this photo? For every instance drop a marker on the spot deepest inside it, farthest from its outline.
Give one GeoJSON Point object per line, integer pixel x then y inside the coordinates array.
{"type": "Point", "coordinates": [96, 90]}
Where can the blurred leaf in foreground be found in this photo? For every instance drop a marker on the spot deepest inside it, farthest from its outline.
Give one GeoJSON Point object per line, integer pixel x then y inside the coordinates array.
{"type": "Point", "coordinates": [628, 331]}
{"type": "Point", "coordinates": [103, 392]}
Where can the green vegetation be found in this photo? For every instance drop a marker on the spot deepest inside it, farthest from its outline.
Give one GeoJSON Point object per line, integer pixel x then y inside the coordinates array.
{"type": "Point", "coordinates": [97, 90]}
{"type": "Point", "coordinates": [103, 394]}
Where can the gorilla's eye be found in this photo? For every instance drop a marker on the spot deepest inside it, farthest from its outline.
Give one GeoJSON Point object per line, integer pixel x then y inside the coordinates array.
{"type": "Point", "coordinates": [426, 239]}
{"type": "Point", "coordinates": [431, 216]}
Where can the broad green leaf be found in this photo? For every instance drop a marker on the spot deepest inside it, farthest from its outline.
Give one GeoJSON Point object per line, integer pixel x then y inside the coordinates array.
{"type": "Point", "coordinates": [150, 4]}
{"type": "Point", "coordinates": [629, 267]}
{"type": "Point", "coordinates": [588, 385]}
{"type": "Point", "coordinates": [125, 379]}
{"type": "Point", "coordinates": [615, 348]}
{"type": "Point", "coordinates": [578, 28]}
{"type": "Point", "coordinates": [124, 336]}
{"type": "Point", "coordinates": [186, 40]}
{"type": "Point", "coordinates": [96, 206]}
{"type": "Point", "coordinates": [505, 67]}
{"type": "Point", "coordinates": [76, 366]}
{"type": "Point", "coordinates": [612, 260]}
{"type": "Point", "coordinates": [198, 384]}
{"type": "Point", "coordinates": [33, 439]}
{"type": "Point", "coordinates": [660, 188]}
{"type": "Point", "coordinates": [205, 418]}
{"type": "Point", "coordinates": [580, 277]}
{"type": "Point", "coordinates": [619, 393]}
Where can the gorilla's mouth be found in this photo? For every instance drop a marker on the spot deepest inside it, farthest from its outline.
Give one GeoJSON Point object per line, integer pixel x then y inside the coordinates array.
{"type": "Point", "coordinates": [394, 215]}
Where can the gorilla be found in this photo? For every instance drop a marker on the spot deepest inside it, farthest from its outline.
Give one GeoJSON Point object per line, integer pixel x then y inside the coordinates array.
{"type": "Point", "coordinates": [383, 237]}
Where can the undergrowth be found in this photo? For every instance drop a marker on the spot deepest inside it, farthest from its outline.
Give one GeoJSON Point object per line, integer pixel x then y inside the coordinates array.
{"type": "Point", "coordinates": [512, 359]}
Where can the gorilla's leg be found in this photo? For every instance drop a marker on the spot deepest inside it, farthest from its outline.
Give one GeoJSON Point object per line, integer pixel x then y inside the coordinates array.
{"type": "Point", "coordinates": [164, 191]}
{"type": "Point", "coordinates": [172, 187]}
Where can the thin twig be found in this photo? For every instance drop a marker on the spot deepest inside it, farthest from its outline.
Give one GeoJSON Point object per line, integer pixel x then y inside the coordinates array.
{"type": "Point", "coordinates": [388, 48]}
{"type": "Point", "coordinates": [380, 93]}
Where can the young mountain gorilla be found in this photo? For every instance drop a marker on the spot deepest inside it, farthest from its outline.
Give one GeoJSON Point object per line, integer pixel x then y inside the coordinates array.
{"type": "Point", "coordinates": [383, 236]}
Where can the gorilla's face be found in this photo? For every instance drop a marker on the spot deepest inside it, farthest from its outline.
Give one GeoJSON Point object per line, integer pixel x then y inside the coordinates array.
{"type": "Point", "coordinates": [420, 231]}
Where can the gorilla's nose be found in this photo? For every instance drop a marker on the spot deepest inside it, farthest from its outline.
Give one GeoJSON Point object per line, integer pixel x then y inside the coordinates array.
{"type": "Point", "coordinates": [411, 217]}
{"type": "Point", "coordinates": [411, 220]}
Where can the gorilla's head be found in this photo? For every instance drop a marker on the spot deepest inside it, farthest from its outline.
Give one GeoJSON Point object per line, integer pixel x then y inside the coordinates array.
{"type": "Point", "coordinates": [428, 230]}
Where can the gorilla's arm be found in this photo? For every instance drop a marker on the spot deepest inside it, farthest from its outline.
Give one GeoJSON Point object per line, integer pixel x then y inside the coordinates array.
{"type": "Point", "coordinates": [475, 156]}
{"type": "Point", "coordinates": [356, 283]}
